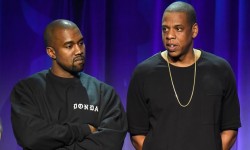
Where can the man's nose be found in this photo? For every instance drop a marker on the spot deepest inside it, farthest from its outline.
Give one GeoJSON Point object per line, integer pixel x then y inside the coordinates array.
{"type": "Point", "coordinates": [170, 34]}
{"type": "Point", "coordinates": [79, 49]}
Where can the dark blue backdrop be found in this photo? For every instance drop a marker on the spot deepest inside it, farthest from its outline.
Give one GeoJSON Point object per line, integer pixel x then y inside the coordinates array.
{"type": "Point", "coordinates": [119, 34]}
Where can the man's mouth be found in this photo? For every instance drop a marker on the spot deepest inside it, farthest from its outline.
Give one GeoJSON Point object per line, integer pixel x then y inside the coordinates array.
{"type": "Point", "coordinates": [171, 47]}
{"type": "Point", "coordinates": [79, 59]}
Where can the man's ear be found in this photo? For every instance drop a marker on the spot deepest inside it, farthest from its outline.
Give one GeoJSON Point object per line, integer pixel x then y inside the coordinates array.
{"type": "Point", "coordinates": [195, 30]}
{"type": "Point", "coordinates": [51, 52]}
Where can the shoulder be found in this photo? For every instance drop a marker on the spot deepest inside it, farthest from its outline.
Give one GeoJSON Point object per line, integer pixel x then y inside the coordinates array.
{"type": "Point", "coordinates": [36, 78]}
{"type": "Point", "coordinates": [96, 87]}
{"type": "Point", "coordinates": [91, 82]}
{"type": "Point", "coordinates": [148, 64]}
{"type": "Point", "coordinates": [39, 76]}
{"type": "Point", "coordinates": [34, 82]}
{"type": "Point", "coordinates": [214, 60]}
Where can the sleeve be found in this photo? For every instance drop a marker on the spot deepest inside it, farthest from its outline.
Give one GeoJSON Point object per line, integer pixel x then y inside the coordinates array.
{"type": "Point", "coordinates": [112, 128]}
{"type": "Point", "coordinates": [31, 130]}
{"type": "Point", "coordinates": [137, 112]}
{"type": "Point", "coordinates": [1, 129]}
{"type": "Point", "coordinates": [230, 106]}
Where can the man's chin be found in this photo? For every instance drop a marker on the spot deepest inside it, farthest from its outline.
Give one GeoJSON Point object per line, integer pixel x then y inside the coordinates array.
{"type": "Point", "coordinates": [76, 70]}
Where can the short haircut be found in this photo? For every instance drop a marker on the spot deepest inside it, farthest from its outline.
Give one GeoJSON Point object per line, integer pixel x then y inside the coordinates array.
{"type": "Point", "coordinates": [180, 6]}
{"type": "Point", "coordinates": [54, 26]}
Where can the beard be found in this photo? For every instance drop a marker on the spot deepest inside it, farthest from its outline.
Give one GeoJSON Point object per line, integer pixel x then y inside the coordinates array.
{"type": "Point", "coordinates": [75, 66]}
{"type": "Point", "coordinates": [76, 69]}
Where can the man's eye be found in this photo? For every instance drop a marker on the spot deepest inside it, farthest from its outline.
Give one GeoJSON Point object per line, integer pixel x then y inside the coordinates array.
{"type": "Point", "coordinates": [179, 29]}
{"type": "Point", "coordinates": [69, 46]}
{"type": "Point", "coordinates": [164, 29]}
{"type": "Point", "coordinates": [80, 43]}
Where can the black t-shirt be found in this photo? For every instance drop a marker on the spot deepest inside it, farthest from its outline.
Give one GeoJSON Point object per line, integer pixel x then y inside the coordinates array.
{"type": "Point", "coordinates": [153, 110]}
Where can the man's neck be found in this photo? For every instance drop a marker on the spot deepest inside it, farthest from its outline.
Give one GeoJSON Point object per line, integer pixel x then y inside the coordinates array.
{"type": "Point", "coordinates": [185, 61]}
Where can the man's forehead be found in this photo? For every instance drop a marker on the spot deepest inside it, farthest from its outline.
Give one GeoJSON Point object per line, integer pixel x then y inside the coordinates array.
{"type": "Point", "coordinates": [175, 16]}
{"type": "Point", "coordinates": [175, 13]}
{"type": "Point", "coordinates": [66, 31]}
{"type": "Point", "coordinates": [70, 34]}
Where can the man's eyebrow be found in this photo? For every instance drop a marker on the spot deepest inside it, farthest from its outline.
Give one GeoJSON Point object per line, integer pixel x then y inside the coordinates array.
{"type": "Point", "coordinates": [177, 25]}
{"type": "Point", "coordinates": [68, 42]}
{"type": "Point", "coordinates": [71, 42]}
{"type": "Point", "coordinates": [81, 39]}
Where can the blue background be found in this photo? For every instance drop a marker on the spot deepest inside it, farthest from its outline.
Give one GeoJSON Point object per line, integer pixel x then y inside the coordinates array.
{"type": "Point", "coordinates": [118, 35]}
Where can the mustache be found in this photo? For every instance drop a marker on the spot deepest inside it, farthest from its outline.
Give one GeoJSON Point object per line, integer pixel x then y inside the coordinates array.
{"type": "Point", "coordinates": [79, 57]}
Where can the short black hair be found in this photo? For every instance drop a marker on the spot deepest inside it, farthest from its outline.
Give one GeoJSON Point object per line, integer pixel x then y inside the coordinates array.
{"type": "Point", "coordinates": [180, 6]}
{"type": "Point", "coordinates": [55, 25]}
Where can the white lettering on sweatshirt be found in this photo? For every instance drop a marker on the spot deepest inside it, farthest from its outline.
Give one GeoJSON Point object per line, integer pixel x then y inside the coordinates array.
{"type": "Point", "coordinates": [85, 107]}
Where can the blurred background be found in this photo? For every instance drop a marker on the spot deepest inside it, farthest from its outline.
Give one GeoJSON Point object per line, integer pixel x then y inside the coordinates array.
{"type": "Point", "coordinates": [118, 34]}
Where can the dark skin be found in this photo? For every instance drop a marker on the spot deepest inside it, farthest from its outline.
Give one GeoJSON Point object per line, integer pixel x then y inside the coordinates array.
{"type": "Point", "coordinates": [177, 35]}
{"type": "Point", "coordinates": [67, 51]}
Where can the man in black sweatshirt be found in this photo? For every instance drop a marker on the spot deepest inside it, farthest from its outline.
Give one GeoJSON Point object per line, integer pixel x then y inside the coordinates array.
{"type": "Point", "coordinates": [63, 108]}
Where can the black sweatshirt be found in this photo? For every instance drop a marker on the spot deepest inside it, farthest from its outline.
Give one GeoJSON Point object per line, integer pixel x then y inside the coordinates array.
{"type": "Point", "coordinates": [53, 113]}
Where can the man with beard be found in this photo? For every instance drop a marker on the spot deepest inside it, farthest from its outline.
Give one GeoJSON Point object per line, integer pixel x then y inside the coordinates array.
{"type": "Point", "coordinates": [63, 108]}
